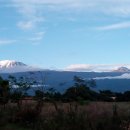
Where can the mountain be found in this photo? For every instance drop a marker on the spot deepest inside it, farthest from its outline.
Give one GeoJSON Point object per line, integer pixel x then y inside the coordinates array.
{"type": "Point", "coordinates": [12, 66]}
{"type": "Point", "coordinates": [117, 80]}
{"type": "Point", "coordinates": [122, 69]}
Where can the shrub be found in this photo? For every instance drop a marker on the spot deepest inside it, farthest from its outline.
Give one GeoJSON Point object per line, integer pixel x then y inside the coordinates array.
{"type": "Point", "coordinates": [27, 117]}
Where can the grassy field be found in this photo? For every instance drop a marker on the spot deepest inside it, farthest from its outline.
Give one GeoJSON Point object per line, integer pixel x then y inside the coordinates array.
{"type": "Point", "coordinates": [66, 116]}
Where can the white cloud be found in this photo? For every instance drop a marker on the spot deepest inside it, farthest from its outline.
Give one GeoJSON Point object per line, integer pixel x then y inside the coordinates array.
{"type": "Point", "coordinates": [34, 9]}
{"type": "Point", "coordinates": [31, 14]}
{"type": "Point", "coordinates": [79, 67]}
{"type": "Point", "coordinates": [25, 25]}
{"type": "Point", "coordinates": [50, 2]}
{"type": "Point", "coordinates": [123, 76]}
{"type": "Point", "coordinates": [115, 26]}
{"type": "Point", "coordinates": [96, 68]}
{"type": "Point", "coordinates": [4, 42]}
{"type": "Point", "coordinates": [38, 37]}
{"type": "Point", "coordinates": [117, 7]}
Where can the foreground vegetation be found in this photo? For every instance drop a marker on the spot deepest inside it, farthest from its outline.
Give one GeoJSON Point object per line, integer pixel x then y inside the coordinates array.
{"type": "Point", "coordinates": [79, 108]}
{"type": "Point", "coordinates": [65, 116]}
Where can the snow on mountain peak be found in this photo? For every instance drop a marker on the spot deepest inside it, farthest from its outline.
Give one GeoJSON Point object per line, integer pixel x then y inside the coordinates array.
{"type": "Point", "coordinates": [122, 69]}
{"type": "Point", "coordinates": [10, 64]}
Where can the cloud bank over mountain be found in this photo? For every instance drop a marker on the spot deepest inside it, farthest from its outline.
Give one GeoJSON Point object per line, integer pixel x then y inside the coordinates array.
{"type": "Point", "coordinates": [123, 76]}
{"type": "Point", "coordinates": [95, 68]}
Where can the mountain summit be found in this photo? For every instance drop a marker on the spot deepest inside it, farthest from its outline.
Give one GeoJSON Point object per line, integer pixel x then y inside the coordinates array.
{"type": "Point", "coordinates": [11, 66]}
{"type": "Point", "coordinates": [122, 69]}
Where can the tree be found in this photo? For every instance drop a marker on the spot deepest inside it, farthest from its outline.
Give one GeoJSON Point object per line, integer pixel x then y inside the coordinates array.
{"type": "Point", "coordinates": [39, 94]}
{"type": "Point", "coordinates": [19, 86]}
{"type": "Point", "coordinates": [84, 82]}
{"type": "Point", "coordinates": [23, 84]}
{"type": "Point", "coordinates": [106, 95]}
{"type": "Point", "coordinates": [4, 91]}
{"type": "Point", "coordinates": [19, 89]}
{"type": "Point", "coordinates": [81, 89]}
{"type": "Point", "coordinates": [126, 96]}
{"type": "Point", "coordinates": [41, 85]}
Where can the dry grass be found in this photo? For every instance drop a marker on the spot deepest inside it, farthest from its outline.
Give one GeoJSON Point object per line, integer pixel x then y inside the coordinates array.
{"type": "Point", "coordinates": [69, 116]}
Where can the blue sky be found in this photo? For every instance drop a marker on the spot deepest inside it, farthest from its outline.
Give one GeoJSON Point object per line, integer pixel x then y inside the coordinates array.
{"type": "Point", "coordinates": [61, 33]}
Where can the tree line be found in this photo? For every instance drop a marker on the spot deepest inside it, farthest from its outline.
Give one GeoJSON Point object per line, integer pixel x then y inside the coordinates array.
{"type": "Point", "coordinates": [16, 89]}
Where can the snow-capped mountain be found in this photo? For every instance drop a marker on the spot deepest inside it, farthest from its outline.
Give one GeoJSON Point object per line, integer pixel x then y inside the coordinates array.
{"type": "Point", "coordinates": [11, 66]}
{"type": "Point", "coordinates": [122, 69]}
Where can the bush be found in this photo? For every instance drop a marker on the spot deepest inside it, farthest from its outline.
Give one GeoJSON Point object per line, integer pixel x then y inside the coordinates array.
{"type": "Point", "coordinates": [27, 117]}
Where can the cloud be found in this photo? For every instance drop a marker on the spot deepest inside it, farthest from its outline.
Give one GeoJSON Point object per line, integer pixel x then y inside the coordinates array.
{"type": "Point", "coordinates": [33, 10]}
{"type": "Point", "coordinates": [115, 26]}
{"type": "Point", "coordinates": [79, 67]}
{"type": "Point", "coordinates": [4, 42]}
{"type": "Point", "coordinates": [118, 7]}
{"type": "Point", "coordinates": [96, 68]}
{"type": "Point", "coordinates": [25, 25]}
{"type": "Point", "coordinates": [29, 23]}
{"type": "Point", "coordinates": [30, 12]}
{"type": "Point", "coordinates": [38, 37]}
{"type": "Point", "coordinates": [46, 2]}
{"type": "Point", "coordinates": [124, 76]}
